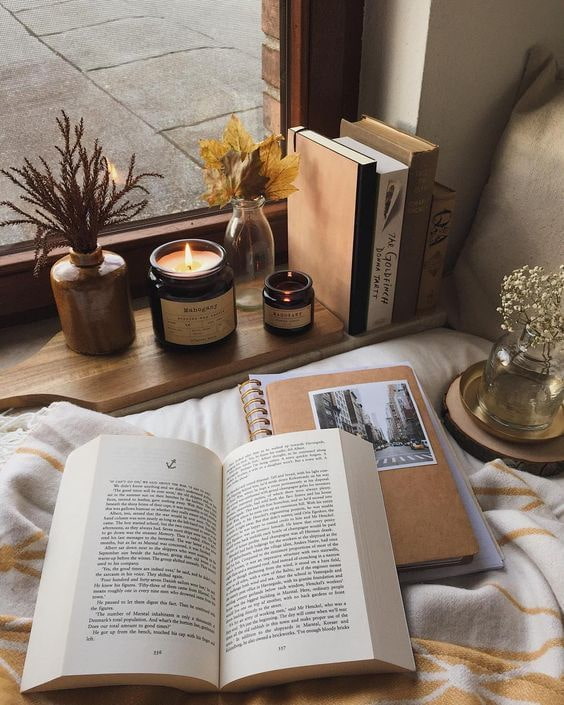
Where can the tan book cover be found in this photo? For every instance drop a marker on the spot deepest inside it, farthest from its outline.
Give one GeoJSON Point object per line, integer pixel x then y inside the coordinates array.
{"type": "Point", "coordinates": [331, 223]}
{"type": "Point", "coordinates": [440, 221]}
{"type": "Point", "coordinates": [427, 520]}
{"type": "Point", "coordinates": [421, 156]}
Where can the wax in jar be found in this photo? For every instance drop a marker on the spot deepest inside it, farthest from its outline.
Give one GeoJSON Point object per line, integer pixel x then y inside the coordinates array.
{"type": "Point", "coordinates": [201, 260]}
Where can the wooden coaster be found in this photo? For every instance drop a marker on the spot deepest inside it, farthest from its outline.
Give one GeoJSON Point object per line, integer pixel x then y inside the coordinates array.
{"type": "Point", "coordinates": [545, 458]}
{"type": "Point", "coordinates": [146, 372]}
{"type": "Point", "coordinates": [470, 381]}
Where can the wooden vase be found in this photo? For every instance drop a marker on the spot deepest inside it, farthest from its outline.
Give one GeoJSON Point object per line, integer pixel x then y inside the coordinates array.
{"type": "Point", "coordinates": [93, 301]}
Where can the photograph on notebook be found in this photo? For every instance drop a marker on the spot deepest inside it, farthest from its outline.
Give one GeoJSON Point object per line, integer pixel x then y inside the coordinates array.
{"type": "Point", "coordinates": [383, 413]}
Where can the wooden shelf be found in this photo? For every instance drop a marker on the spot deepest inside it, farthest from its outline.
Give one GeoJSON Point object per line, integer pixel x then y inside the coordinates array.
{"type": "Point", "coordinates": [146, 373]}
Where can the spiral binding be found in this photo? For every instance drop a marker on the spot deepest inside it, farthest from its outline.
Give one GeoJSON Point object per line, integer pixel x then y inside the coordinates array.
{"type": "Point", "coordinates": [254, 408]}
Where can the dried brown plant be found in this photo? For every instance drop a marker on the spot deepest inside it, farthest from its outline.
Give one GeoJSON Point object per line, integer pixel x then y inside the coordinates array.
{"type": "Point", "coordinates": [72, 208]}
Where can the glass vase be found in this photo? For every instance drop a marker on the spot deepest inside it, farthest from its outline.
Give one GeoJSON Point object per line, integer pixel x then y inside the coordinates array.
{"type": "Point", "coordinates": [522, 386]}
{"type": "Point", "coordinates": [250, 251]}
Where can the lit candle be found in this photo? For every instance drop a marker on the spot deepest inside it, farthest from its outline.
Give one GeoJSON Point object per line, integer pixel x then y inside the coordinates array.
{"type": "Point", "coordinates": [187, 262]}
{"type": "Point", "coordinates": [288, 302]}
{"type": "Point", "coordinates": [191, 294]}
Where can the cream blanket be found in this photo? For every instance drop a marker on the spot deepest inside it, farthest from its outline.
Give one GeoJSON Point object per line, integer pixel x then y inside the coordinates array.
{"type": "Point", "coordinates": [487, 638]}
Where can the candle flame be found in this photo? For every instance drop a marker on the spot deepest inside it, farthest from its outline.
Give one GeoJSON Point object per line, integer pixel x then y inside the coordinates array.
{"type": "Point", "coordinates": [188, 257]}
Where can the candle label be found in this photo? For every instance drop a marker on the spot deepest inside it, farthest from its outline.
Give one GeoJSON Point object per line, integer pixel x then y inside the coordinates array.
{"type": "Point", "coordinates": [198, 322]}
{"type": "Point", "coordinates": [287, 318]}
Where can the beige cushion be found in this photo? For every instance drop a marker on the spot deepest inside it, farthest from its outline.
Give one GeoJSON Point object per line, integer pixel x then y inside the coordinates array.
{"type": "Point", "coordinates": [520, 218]}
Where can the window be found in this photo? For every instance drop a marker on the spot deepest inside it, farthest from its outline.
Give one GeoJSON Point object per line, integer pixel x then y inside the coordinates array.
{"type": "Point", "coordinates": [316, 55]}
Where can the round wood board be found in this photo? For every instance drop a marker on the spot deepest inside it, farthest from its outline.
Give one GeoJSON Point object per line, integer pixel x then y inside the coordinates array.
{"type": "Point", "coordinates": [545, 458]}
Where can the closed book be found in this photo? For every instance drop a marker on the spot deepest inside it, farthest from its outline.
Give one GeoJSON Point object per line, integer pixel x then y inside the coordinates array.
{"type": "Point", "coordinates": [429, 525]}
{"type": "Point", "coordinates": [421, 156]}
{"type": "Point", "coordinates": [331, 223]}
{"type": "Point", "coordinates": [390, 201]}
{"type": "Point", "coordinates": [440, 219]}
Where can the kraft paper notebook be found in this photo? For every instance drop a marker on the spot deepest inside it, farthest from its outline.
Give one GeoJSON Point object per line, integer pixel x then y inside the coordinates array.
{"type": "Point", "coordinates": [428, 523]}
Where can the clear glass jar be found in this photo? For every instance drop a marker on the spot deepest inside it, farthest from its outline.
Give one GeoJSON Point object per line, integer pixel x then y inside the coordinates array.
{"type": "Point", "coordinates": [523, 384]}
{"type": "Point", "coordinates": [250, 251]}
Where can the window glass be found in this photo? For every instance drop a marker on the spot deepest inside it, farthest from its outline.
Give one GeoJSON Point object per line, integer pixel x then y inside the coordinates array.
{"type": "Point", "coordinates": [148, 76]}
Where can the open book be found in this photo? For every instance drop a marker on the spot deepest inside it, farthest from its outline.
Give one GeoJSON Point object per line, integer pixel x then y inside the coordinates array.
{"type": "Point", "coordinates": [166, 567]}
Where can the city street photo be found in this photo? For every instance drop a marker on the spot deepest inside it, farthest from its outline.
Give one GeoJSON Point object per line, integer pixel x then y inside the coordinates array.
{"type": "Point", "coordinates": [383, 413]}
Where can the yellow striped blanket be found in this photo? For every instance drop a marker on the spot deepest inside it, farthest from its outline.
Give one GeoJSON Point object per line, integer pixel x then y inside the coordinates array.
{"type": "Point", "coordinates": [495, 638]}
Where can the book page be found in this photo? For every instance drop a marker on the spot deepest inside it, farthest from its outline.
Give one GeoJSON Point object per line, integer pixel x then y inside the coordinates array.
{"type": "Point", "coordinates": [292, 586]}
{"type": "Point", "coordinates": [145, 596]}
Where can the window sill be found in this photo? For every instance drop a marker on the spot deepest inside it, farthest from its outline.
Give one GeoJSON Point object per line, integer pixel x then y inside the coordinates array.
{"type": "Point", "coordinates": [26, 298]}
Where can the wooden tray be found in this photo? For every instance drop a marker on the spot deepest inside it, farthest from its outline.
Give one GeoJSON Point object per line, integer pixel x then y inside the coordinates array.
{"type": "Point", "coordinates": [145, 371]}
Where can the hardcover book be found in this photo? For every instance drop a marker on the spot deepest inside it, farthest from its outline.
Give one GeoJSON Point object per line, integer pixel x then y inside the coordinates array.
{"type": "Point", "coordinates": [166, 566]}
{"type": "Point", "coordinates": [428, 522]}
{"type": "Point", "coordinates": [440, 220]}
{"type": "Point", "coordinates": [421, 156]}
{"type": "Point", "coordinates": [390, 200]}
{"type": "Point", "coordinates": [331, 223]}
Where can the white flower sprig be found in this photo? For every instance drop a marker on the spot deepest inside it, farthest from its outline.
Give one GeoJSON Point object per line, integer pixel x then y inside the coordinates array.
{"type": "Point", "coordinates": [529, 297]}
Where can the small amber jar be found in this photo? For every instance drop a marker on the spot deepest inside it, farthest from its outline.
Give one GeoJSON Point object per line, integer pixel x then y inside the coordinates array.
{"type": "Point", "coordinates": [288, 302]}
{"type": "Point", "coordinates": [191, 309]}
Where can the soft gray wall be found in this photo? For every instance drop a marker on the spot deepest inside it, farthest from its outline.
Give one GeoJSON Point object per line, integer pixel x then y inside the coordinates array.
{"type": "Point", "coordinates": [449, 70]}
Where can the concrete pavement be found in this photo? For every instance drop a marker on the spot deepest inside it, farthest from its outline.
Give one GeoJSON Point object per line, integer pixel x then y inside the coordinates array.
{"type": "Point", "coordinates": [149, 76]}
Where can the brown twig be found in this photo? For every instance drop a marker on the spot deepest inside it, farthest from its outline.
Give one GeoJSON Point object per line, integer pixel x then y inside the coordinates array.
{"type": "Point", "coordinates": [72, 209]}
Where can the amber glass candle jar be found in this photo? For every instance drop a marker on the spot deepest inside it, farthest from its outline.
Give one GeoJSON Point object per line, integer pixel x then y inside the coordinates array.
{"type": "Point", "coordinates": [191, 294]}
{"type": "Point", "coordinates": [288, 302]}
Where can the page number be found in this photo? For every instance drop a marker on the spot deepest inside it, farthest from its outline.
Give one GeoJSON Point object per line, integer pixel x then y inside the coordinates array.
{"type": "Point", "coordinates": [157, 652]}
{"type": "Point", "coordinates": [282, 648]}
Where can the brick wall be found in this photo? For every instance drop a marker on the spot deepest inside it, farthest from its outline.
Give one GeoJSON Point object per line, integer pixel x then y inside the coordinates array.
{"type": "Point", "coordinates": [271, 64]}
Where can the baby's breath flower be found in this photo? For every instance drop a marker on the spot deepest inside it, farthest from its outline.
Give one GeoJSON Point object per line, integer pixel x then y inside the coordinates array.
{"type": "Point", "coordinates": [529, 297]}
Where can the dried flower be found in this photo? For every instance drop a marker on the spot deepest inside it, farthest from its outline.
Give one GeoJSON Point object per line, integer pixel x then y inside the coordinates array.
{"type": "Point", "coordinates": [237, 167]}
{"type": "Point", "coordinates": [72, 208]}
{"type": "Point", "coordinates": [529, 297]}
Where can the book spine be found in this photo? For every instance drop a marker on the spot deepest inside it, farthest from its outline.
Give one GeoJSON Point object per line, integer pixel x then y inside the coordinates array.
{"type": "Point", "coordinates": [385, 254]}
{"type": "Point", "coordinates": [255, 409]}
{"type": "Point", "coordinates": [367, 180]}
{"type": "Point", "coordinates": [414, 232]}
{"type": "Point", "coordinates": [438, 230]}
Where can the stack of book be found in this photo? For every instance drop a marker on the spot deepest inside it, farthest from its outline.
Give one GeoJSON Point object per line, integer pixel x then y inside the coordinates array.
{"type": "Point", "coordinates": [368, 223]}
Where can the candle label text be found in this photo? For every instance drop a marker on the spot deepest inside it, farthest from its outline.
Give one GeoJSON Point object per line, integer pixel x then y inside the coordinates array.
{"type": "Point", "coordinates": [198, 322]}
{"type": "Point", "coordinates": [287, 318]}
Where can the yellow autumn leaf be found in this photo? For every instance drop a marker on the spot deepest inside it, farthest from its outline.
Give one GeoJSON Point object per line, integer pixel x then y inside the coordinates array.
{"type": "Point", "coordinates": [237, 167]}
{"type": "Point", "coordinates": [280, 180]}
{"type": "Point", "coordinates": [270, 154]}
{"type": "Point", "coordinates": [236, 137]}
{"type": "Point", "coordinates": [223, 183]}
{"type": "Point", "coordinates": [212, 152]}
{"type": "Point", "coordinates": [253, 181]}
{"type": "Point", "coordinates": [217, 193]}
{"type": "Point", "coordinates": [232, 168]}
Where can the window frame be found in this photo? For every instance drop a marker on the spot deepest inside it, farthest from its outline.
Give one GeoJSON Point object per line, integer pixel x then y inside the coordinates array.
{"type": "Point", "coordinates": [321, 60]}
